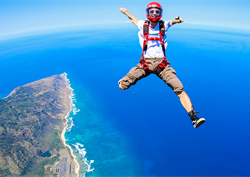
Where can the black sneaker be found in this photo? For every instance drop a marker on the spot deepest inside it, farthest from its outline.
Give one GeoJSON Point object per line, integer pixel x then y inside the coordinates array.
{"type": "Point", "coordinates": [195, 120]}
{"type": "Point", "coordinates": [198, 122]}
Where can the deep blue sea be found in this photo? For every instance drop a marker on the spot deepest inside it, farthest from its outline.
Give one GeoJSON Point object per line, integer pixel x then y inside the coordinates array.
{"type": "Point", "coordinates": [144, 131]}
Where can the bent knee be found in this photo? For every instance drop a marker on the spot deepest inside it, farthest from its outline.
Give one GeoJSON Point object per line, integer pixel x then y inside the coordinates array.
{"type": "Point", "coordinates": [127, 81]}
{"type": "Point", "coordinates": [178, 90]}
{"type": "Point", "coordinates": [179, 93]}
{"type": "Point", "coordinates": [122, 86]}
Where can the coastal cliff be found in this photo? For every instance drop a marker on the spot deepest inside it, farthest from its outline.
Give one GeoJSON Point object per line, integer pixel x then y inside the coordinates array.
{"type": "Point", "coordinates": [32, 120]}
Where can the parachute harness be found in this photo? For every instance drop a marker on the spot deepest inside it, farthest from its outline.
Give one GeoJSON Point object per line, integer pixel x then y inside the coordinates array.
{"type": "Point", "coordinates": [143, 62]}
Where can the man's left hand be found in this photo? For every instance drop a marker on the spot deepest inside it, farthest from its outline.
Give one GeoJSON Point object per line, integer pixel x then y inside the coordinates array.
{"type": "Point", "coordinates": [180, 20]}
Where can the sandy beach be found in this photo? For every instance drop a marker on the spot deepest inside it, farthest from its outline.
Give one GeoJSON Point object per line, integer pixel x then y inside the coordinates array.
{"type": "Point", "coordinates": [76, 164]}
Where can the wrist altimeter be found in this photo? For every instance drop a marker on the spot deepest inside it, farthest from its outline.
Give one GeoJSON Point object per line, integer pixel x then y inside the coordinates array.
{"type": "Point", "coordinates": [178, 18]}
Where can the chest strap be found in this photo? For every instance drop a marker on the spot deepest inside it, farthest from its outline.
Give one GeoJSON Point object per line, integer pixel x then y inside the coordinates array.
{"type": "Point", "coordinates": [143, 62]}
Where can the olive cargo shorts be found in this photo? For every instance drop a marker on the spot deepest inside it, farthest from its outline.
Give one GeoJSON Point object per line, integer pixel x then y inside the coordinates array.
{"type": "Point", "coordinates": [168, 75]}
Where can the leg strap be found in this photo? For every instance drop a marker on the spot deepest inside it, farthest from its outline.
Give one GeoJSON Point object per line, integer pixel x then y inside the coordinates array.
{"type": "Point", "coordinates": [162, 65]}
{"type": "Point", "coordinates": [145, 66]}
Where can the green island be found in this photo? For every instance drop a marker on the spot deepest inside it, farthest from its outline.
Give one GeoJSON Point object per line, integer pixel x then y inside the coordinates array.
{"type": "Point", "coordinates": [32, 127]}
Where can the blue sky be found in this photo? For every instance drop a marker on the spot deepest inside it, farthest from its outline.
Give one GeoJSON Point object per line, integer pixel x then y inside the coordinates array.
{"type": "Point", "coordinates": [23, 16]}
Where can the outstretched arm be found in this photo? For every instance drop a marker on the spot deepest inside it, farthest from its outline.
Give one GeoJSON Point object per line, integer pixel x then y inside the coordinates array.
{"type": "Point", "coordinates": [176, 20]}
{"type": "Point", "coordinates": [129, 15]}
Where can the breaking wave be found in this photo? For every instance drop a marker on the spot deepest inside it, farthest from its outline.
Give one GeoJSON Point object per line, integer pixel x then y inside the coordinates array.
{"type": "Point", "coordinates": [79, 147]}
{"type": "Point", "coordinates": [82, 152]}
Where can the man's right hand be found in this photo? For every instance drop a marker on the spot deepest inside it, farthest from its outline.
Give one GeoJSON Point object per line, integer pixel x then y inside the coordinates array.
{"type": "Point", "coordinates": [123, 10]}
{"type": "Point", "coordinates": [129, 15]}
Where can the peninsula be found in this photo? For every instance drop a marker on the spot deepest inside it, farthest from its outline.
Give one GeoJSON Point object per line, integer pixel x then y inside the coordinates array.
{"type": "Point", "coordinates": [32, 127]}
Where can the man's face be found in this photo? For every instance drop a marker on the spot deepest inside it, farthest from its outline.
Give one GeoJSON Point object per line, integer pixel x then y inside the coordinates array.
{"type": "Point", "coordinates": [154, 12]}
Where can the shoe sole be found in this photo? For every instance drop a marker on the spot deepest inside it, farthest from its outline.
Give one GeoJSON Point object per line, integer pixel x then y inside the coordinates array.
{"type": "Point", "coordinates": [199, 122]}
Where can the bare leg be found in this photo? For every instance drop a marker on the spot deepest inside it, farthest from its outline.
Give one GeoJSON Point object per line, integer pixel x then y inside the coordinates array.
{"type": "Point", "coordinates": [185, 101]}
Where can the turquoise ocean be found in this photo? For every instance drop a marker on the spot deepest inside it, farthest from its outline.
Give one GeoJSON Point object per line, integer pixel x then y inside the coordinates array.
{"type": "Point", "coordinates": [144, 131]}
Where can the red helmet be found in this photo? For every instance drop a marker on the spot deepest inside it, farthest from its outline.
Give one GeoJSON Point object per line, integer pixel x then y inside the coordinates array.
{"type": "Point", "coordinates": [153, 17]}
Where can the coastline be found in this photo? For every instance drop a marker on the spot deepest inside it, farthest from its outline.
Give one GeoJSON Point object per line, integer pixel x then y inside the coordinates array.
{"type": "Point", "coordinates": [76, 164]}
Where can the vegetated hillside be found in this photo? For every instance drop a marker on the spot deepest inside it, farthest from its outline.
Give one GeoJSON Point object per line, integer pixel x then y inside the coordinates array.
{"type": "Point", "coordinates": [31, 120]}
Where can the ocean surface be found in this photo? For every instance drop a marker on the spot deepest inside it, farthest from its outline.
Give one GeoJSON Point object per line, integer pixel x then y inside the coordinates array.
{"type": "Point", "coordinates": [144, 131]}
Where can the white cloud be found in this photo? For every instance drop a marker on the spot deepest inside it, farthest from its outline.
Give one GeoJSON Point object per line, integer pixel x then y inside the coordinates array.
{"type": "Point", "coordinates": [124, 22]}
{"type": "Point", "coordinates": [193, 23]}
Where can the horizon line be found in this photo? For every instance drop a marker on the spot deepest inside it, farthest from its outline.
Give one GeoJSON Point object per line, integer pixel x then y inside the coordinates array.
{"type": "Point", "coordinates": [34, 31]}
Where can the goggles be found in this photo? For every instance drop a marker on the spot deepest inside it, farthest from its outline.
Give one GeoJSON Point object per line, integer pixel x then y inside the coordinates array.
{"type": "Point", "coordinates": [156, 11]}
